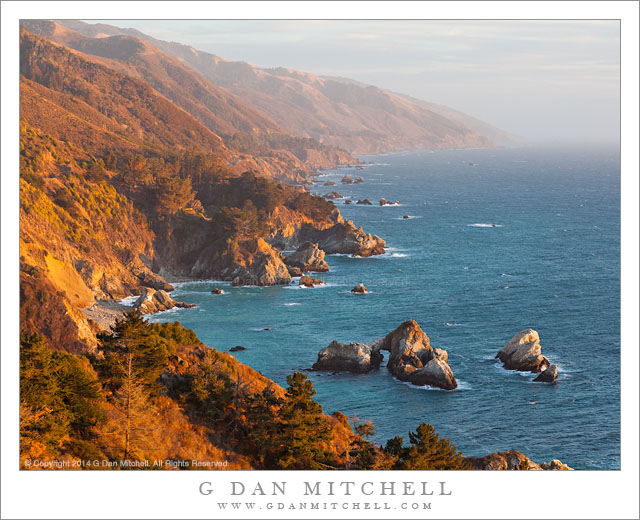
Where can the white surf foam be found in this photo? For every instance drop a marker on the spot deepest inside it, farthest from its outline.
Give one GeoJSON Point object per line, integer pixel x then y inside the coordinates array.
{"type": "Point", "coordinates": [128, 301]}
{"type": "Point", "coordinates": [485, 225]}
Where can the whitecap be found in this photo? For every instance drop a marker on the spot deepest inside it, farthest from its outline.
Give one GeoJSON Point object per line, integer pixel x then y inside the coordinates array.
{"type": "Point", "coordinates": [128, 301]}
{"type": "Point", "coordinates": [462, 385]}
{"type": "Point", "coordinates": [448, 324]}
{"type": "Point", "coordinates": [291, 304]}
{"type": "Point", "coordinates": [485, 225]}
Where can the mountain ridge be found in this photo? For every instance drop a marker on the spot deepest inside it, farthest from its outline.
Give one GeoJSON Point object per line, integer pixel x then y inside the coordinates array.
{"type": "Point", "coordinates": [360, 119]}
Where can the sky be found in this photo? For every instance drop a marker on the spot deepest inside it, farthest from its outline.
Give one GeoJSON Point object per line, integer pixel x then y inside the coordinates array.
{"type": "Point", "coordinates": [551, 81]}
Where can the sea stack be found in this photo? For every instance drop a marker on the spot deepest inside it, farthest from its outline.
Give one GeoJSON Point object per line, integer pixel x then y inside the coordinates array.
{"type": "Point", "coordinates": [354, 357]}
{"type": "Point", "coordinates": [523, 353]}
{"type": "Point", "coordinates": [411, 357]}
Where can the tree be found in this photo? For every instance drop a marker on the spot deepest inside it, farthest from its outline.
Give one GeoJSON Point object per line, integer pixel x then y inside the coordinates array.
{"type": "Point", "coordinates": [428, 451]}
{"type": "Point", "coordinates": [305, 430]}
{"type": "Point", "coordinates": [132, 341]}
{"type": "Point", "coordinates": [172, 194]}
{"type": "Point", "coordinates": [61, 399]}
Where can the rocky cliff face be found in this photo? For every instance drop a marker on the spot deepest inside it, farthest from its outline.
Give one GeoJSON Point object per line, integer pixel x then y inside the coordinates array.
{"type": "Point", "coordinates": [512, 460]}
{"type": "Point", "coordinates": [343, 237]}
{"type": "Point", "coordinates": [309, 257]}
{"type": "Point", "coordinates": [263, 265]}
{"type": "Point", "coordinates": [151, 301]}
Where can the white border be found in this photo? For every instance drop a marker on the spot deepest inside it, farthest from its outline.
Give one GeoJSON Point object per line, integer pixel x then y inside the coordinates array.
{"type": "Point", "coordinates": [65, 494]}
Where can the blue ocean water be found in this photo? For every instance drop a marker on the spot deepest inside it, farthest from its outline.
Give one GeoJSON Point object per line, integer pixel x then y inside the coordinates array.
{"type": "Point", "coordinates": [498, 241]}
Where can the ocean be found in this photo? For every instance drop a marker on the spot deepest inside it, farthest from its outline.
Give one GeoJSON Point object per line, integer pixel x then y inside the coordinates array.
{"type": "Point", "coordinates": [498, 240]}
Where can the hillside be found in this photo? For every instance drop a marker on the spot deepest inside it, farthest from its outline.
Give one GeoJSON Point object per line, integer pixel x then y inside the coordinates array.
{"type": "Point", "coordinates": [361, 119]}
{"type": "Point", "coordinates": [244, 129]}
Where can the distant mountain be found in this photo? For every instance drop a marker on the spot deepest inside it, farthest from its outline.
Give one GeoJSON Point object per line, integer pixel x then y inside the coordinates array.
{"type": "Point", "coordinates": [241, 127]}
{"type": "Point", "coordinates": [361, 119]}
{"type": "Point", "coordinates": [498, 136]}
{"type": "Point", "coordinates": [75, 99]}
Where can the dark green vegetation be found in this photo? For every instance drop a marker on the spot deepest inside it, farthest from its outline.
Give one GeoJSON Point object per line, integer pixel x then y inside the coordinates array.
{"type": "Point", "coordinates": [139, 399]}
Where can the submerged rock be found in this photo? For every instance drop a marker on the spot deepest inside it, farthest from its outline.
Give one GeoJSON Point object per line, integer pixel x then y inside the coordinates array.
{"type": "Point", "coordinates": [523, 352]}
{"type": "Point", "coordinates": [308, 257]}
{"type": "Point", "coordinates": [347, 201]}
{"type": "Point", "coordinates": [549, 375]}
{"type": "Point", "coordinates": [237, 348]}
{"type": "Point", "coordinates": [329, 183]}
{"type": "Point", "coordinates": [406, 217]}
{"type": "Point", "coordinates": [151, 301]}
{"type": "Point", "coordinates": [366, 202]}
{"type": "Point", "coordinates": [354, 357]}
{"type": "Point", "coordinates": [217, 291]}
{"type": "Point", "coordinates": [359, 289]}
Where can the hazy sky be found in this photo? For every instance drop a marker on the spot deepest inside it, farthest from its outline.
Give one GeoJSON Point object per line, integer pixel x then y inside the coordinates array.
{"type": "Point", "coordinates": [544, 80]}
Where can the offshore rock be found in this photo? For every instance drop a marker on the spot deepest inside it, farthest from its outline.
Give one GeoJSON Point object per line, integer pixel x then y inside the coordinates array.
{"type": "Point", "coordinates": [359, 289]}
{"type": "Point", "coordinates": [217, 291]}
{"type": "Point", "coordinates": [358, 180]}
{"type": "Point", "coordinates": [413, 359]}
{"type": "Point", "coordinates": [308, 257]}
{"type": "Point", "coordinates": [549, 375]}
{"type": "Point", "coordinates": [385, 202]}
{"type": "Point", "coordinates": [344, 237]}
{"type": "Point", "coordinates": [307, 281]}
{"type": "Point", "coordinates": [332, 195]}
{"type": "Point", "coordinates": [523, 352]}
{"type": "Point", "coordinates": [354, 357]}
{"type": "Point", "coordinates": [264, 266]}
{"type": "Point", "coordinates": [329, 183]}
{"type": "Point", "coordinates": [366, 202]}
{"type": "Point", "coordinates": [347, 180]}
{"type": "Point", "coordinates": [155, 301]}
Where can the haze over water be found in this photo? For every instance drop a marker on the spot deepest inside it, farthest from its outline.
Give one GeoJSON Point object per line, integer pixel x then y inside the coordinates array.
{"type": "Point", "coordinates": [498, 241]}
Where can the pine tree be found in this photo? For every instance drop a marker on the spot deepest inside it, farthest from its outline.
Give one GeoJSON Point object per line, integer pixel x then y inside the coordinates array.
{"type": "Point", "coordinates": [430, 452]}
{"type": "Point", "coordinates": [305, 430]}
{"type": "Point", "coordinates": [132, 340]}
